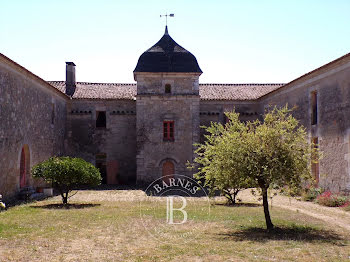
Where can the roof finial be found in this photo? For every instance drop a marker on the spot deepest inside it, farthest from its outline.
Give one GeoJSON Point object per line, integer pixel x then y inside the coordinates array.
{"type": "Point", "coordinates": [166, 21]}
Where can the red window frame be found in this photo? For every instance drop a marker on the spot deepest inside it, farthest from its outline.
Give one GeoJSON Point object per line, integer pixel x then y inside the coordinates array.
{"type": "Point", "coordinates": [168, 130]}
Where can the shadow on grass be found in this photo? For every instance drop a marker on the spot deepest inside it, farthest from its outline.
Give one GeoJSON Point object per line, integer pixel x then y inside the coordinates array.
{"type": "Point", "coordinates": [105, 187]}
{"type": "Point", "coordinates": [239, 204]}
{"type": "Point", "coordinates": [68, 206]}
{"type": "Point", "coordinates": [294, 233]}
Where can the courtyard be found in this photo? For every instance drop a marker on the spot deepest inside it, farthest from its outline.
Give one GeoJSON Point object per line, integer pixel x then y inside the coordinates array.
{"type": "Point", "coordinates": [106, 225]}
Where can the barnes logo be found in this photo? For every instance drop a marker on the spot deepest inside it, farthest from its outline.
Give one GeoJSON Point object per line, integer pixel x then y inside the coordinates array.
{"type": "Point", "coordinates": [170, 207]}
{"type": "Point", "coordinates": [184, 183]}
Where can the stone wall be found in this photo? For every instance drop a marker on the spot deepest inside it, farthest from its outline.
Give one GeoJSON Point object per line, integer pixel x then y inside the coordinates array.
{"type": "Point", "coordinates": [332, 84]}
{"type": "Point", "coordinates": [32, 116]}
{"type": "Point", "coordinates": [214, 111]}
{"type": "Point", "coordinates": [117, 141]}
{"type": "Point", "coordinates": [155, 106]}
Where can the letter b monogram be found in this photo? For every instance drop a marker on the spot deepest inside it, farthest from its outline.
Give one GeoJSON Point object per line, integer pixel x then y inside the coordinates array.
{"type": "Point", "coordinates": [170, 210]}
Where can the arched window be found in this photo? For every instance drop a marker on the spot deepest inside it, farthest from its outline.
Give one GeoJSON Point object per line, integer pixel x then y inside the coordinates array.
{"type": "Point", "coordinates": [167, 88]}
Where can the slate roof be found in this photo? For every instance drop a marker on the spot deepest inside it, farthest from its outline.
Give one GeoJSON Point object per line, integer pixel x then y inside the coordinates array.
{"type": "Point", "coordinates": [167, 56]}
{"type": "Point", "coordinates": [239, 92]}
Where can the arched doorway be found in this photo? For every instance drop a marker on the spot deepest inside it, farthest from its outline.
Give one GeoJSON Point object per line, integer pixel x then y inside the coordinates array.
{"type": "Point", "coordinates": [168, 171]}
{"type": "Point", "coordinates": [24, 168]}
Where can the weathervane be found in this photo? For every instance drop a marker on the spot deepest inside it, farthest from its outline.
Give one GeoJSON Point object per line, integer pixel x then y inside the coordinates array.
{"type": "Point", "coordinates": [166, 17]}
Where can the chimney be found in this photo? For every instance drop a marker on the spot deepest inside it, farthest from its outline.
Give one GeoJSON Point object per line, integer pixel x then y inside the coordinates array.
{"type": "Point", "coordinates": [70, 78]}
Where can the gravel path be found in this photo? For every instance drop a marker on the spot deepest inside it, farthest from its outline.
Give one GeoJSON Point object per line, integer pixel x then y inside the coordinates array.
{"type": "Point", "coordinates": [330, 215]}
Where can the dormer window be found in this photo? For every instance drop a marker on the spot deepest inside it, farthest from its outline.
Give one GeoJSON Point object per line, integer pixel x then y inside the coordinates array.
{"type": "Point", "coordinates": [168, 89]}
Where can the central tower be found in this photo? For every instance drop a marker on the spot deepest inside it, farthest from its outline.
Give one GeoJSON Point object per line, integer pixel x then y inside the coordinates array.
{"type": "Point", "coordinates": [167, 105]}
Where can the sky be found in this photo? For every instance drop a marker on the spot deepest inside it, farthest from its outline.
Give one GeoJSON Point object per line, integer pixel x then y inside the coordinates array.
{"type": "Point", "coordinates": [236, 41]}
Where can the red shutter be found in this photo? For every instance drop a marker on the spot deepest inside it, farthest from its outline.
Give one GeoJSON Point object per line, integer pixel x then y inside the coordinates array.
{"type": "Point", "coordinates": [168, 130]}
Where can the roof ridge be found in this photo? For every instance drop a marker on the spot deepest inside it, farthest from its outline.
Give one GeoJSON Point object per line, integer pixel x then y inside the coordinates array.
{"type": "Point", "coordinates": [212, 84]}
{"type": "Point", "coordinates": [240, 84]}
{"type": "Point", "coordinates": [92, 83]}
{"type": "Point", "coordinates": [31, 74]}
{"type": "Point", "coordinates": [310, 73]}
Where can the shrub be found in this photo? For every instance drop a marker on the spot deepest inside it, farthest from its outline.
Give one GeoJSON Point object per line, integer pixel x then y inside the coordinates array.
{"type": "Point", "coordinates": [311, 194]}
{"type": "Point", "coordinates": [331, 200]}
{"type": "Point", "coordinates": [66, 173]}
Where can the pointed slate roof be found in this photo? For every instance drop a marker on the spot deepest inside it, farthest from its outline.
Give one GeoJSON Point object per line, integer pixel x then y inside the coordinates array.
{"type": "Point", "coordinates": [167, 56]}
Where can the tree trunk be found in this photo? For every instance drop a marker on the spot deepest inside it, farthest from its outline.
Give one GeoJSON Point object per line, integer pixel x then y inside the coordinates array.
{"type": "Point", "coordinates": [269, 224]}
{"type": "Point", "coordinates": [231, 195]}
{"type": "Point", "coordinates": [229, 198]}
{"type": "Point", "coordinates": [64, 198]}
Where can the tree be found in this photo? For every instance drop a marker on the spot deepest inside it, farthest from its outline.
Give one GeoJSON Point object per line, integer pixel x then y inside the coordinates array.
{"type": "Point", "coordinates": [268, 154]}
{"type": "Point", "coordinates": [66, 173]}
{"type": "Point", "coordinates": [220, 162]}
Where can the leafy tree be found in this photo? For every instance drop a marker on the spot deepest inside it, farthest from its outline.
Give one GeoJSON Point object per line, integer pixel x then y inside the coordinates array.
{"type": "Point", "coordinates": [268, 154]}
{"type": "Point", "coordinates": [220, 160]}
{"type": "Point", "coordinates": [66, 173]}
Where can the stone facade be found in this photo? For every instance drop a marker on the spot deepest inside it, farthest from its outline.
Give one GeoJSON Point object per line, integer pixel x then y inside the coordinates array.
{"type": "Point", "coordinates": [121, 127]}
{"type": "Point", "coordinates": [33, 118]}
{"type": "Point", "coordinates": [331, 84]}
{"type": "Point", "coordinates": [154, 106]}
{"type": "Point", "coordinates": [116, 142]}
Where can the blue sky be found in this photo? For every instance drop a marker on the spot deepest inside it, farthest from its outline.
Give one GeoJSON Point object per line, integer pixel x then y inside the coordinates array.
{"type": "Point", "coordinates": [247, 41]}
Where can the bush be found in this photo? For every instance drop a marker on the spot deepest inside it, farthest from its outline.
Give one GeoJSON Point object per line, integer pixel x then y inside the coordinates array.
{"type": "Point", "coordinates": [332, 200]}
{"type": "Point", "coordinates": [66, 173]}
{"type": "Point", "coordinates": [311, 194]}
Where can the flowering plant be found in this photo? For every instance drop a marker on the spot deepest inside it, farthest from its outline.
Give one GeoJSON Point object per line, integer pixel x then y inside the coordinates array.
{"type": "Point", "coordinates": [332, 200]}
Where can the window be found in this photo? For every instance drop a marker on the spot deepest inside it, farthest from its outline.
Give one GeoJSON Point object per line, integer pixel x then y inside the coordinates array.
{"type": "Point", "coordinates": [314, 108]}
{"type": "Point", "coordinates": [167, 88]}
{"type": "Point", "coordinates": [52, 114]}
{"type": "Point", "coordinates": [315, 165]}
{"type": "Point", "coordinates": [101, 119]}
{"type": "Point", "coordinates": [168, 130]}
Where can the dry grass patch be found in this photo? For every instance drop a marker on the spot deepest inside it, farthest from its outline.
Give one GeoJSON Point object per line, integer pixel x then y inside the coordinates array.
{"type": "Point", "coordinates": [107, 226]}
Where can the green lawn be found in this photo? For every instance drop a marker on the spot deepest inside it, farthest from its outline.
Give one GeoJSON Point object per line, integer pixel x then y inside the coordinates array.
{"type": "Point", "coordinates": [107, 226]}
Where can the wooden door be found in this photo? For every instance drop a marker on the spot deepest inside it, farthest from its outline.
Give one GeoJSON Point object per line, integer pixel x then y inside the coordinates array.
{"type": "Point", "coordinates": [168, 171]}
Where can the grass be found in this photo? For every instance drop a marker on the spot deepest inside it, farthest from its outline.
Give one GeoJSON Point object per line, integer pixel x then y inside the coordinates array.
{"type": "Point", "coordinates": [125, 226]}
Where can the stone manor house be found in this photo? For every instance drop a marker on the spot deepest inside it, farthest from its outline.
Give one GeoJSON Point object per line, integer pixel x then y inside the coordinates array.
{"type": "Point", "coordinates": [135, 133]}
